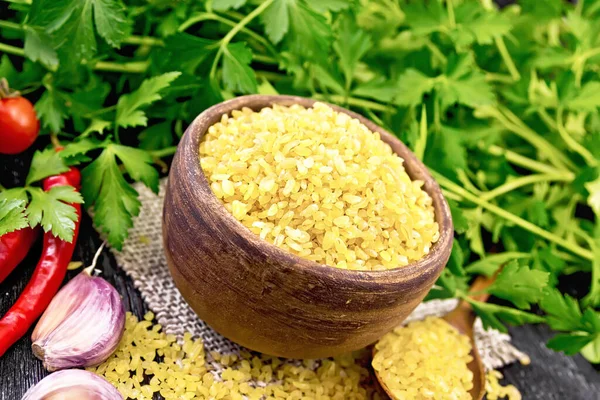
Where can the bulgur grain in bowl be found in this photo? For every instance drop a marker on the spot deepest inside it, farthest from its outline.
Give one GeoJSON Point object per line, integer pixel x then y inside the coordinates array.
{"type": "Point", "coordinates": [278, 300]}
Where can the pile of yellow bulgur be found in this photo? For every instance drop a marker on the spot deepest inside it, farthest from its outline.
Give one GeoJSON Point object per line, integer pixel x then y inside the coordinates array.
{"type": "Point", "coordinates": [148, 361]}
{"type": "Point", "coordinates": [319, 184]}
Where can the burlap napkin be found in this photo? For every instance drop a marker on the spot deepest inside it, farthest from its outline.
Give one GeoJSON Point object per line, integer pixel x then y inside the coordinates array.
{"type": "Point", "coordinates": [143, 260]}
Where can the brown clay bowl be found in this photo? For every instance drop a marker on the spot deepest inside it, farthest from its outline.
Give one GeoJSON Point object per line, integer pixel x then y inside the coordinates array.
{"type": "Point", "coordinates": [265, 298]}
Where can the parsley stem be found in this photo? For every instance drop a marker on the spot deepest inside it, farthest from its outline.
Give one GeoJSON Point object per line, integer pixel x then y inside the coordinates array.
{"type": "Point", "coordinates": [143, 41]}
{"type": "Point", "coordinates": [524, 181]}
{"type": "Point", "coordinates": [451, 17]}
{"type": "Point", "coordinates": [518, 127]}
{"type": "Point", "coordinates": [521, 161]}
{"type": "Point", "coordinates": [572, 143]}
{"type": "Point", "coordinates": [167, 151]}
{"type": "Point", "coordinates": [421, 144]}
{"type": "Point", "coordinates": [493, 77]}
{"type": "Point", "coordinates": [10, 25]}
{"type": "Point", "coordinates": [544, 116]}
{"type": "Point", "coordinates": [134, 67]}
{"type": "Point", "coordinates": [12, 50]}
{"type": "Point", "coordinates": [500, 212]}
{"type": "Point", "coordinates": [508, 61]}
{"type": "Point", "coordinates": [354, 102]}
{"type": "Point", "coordinates": [230, 35]}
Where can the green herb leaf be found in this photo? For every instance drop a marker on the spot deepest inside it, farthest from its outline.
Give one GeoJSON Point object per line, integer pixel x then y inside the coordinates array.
{"type": "Point", "coordinates": [38, 47]}
{"type": "Point", "coordinates": [412, 85]}
{"type": "Point", "coordinates": [138, 164]}
{"type": "Point", "coordinates": [237, 74]}
{"type": "Point", "coordinates": [519, 284]}
{"type": "Point", "coordinates": [69, 23]}
{"type": "Point", "coordinates": [12, 216]}
{"type": "Point", "coordinates": [224, 5]}
{"type": "Point", "coordinates": [570, 344]}
{"type": "Point", "coordinates": [493, 315]}
{"type": "Point", "coordinates": [351, 45]}
{"type": "Point", "coordinates": [129, 106]}
{"type": "Point", "coordinates": [592, 351]}
{"type": "Point", "coordinates": [51, 111]}
{"type": "Point", "coordinates": [563, 312]}
{"type": "Point", "coordinates": [51, 211]}
{"type": "Point", "coordinates": [45, 163]}
{"type": "Point", "coordinates": [461, 224]}
{"type": "Point", "coordinates": [490, 264]}
{"type": "Point", "coordinates": [114, 201]}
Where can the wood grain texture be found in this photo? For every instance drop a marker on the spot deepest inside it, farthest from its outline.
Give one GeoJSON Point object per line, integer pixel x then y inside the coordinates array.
{"type": "Point", "coordinates": [270, 300]}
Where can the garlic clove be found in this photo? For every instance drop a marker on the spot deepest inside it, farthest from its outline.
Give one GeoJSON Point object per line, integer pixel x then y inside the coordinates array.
{"type": "Point", "coordinates": [82, 326]}
{"type": "Point", "coordinates": [73, 384]}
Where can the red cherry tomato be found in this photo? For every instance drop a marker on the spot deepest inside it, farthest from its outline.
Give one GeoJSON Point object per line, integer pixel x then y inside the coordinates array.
{"type": "Point", "coordinates": [19, 126]}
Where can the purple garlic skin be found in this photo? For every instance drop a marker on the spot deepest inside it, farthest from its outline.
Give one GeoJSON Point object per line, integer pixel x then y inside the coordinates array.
{"type": "Point", "coordinates": [82, 326]}
{"type": "Point", "coordinates": [73, 384]}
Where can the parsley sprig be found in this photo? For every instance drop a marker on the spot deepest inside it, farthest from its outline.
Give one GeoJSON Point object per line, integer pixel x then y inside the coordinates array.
{"type": "Point", "coordinates": [501, 104]}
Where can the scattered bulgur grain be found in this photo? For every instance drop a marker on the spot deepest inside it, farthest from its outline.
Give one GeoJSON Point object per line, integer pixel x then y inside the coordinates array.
{"type": "Point", "coordinates": [149, 361]}
{"type": "Point", "coordinates": [495, 390]}
{"type": "Point", "coordinates": [425, 360]}
{"type": "Point", "coordinates": [320, 185]}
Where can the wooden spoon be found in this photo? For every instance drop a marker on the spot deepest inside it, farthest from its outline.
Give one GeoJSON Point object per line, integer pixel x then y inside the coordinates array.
{"type": "Point", "coordinates": [462, 318]}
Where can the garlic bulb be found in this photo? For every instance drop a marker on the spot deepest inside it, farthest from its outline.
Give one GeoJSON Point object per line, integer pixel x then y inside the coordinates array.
{"type": "Point", "coordinates": [73, 384]}
{"type": "Point", "coordinates": [82, 326]}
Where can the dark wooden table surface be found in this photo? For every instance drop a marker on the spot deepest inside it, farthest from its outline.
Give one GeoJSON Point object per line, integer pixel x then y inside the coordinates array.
{"type": "Point", "coordinates": [551, 376]}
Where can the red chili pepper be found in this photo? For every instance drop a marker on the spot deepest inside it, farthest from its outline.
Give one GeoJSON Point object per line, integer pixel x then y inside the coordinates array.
{"type": "Point", "coordinates": [14, 246]}
{"type": "Point", "coordinates": [48, 275]}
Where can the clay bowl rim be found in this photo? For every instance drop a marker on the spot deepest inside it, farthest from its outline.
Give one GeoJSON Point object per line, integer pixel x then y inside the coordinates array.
{"type": "Point", "coordinates": [189, 149]}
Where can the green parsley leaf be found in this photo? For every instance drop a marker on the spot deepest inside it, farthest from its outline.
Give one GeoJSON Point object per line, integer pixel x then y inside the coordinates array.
{"type": "Point", "coordinates": [45, 163]}
{"type": "Point", "coordinates": [593, 199]}
{"type": "Point", "coordinates": [307, 32]}
{"type": "Point", "coordinates": [377, 89]}
{"type": "Point", "coordinates": [457, 260]}
{"type": "Point", "coordinates": [479, 25]}
{"type": "Point", "coordinates": [97, 126]}
{"type": "Point", "coordinates": [329, 5]}
{"type": "Point", "coordinates": [114, 201]}
{"type": "Point", "coordinates": [51, 211]}
{"type": "Point", "coordinates": [74, 152]}
{"type": "Point", "coordinates": [188, 50]}
{"type": "Point", "coordinates": [425, 18]}
{"type": "Point", "coordinates": [519, 284]}
{"type": "Point", "coordinates": [570, 343]}
{"type": "Point", "coordinates": [38, 47]}
{"type": "Point", "coordinates": [412, 85]}
{"type": "Point", "coordinates": [351, 45]}
{"type": "Point", "coordinates": [69, 23]}
{"type": "Point", "coordinates": [563, 312]}
{"type": "Point", "coordinates": [157, 136]}
{"type": "Point", "coordinates": [12, 215]}
{"type": "Point", "coordinates": [448, 286]}
{"type": "Point", "coordinates": [492, 315]}
{"type": "Point", "coordinates": [129, 106]}
{"type": "Point", "coordinates": [237, 74]}
{"type": "Point", "coordinates": [490, 264]}
{"type": "Point", "coordinates": [137, 163]}
{"type": "Point", "coordinates": [461, 224]}
{"type": "Point", "coordinates": [463, 84]}
{"type": "Point", "coordinates": [592, 351]}
{"type": "Point", "coordinates": [224, 5]}
{"type": "Point", "coordinates": [586, 99]}
{"type": "Point", "coordinates": [51, 110]}
{"type": "Point", "coordinates": [276, 20]}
